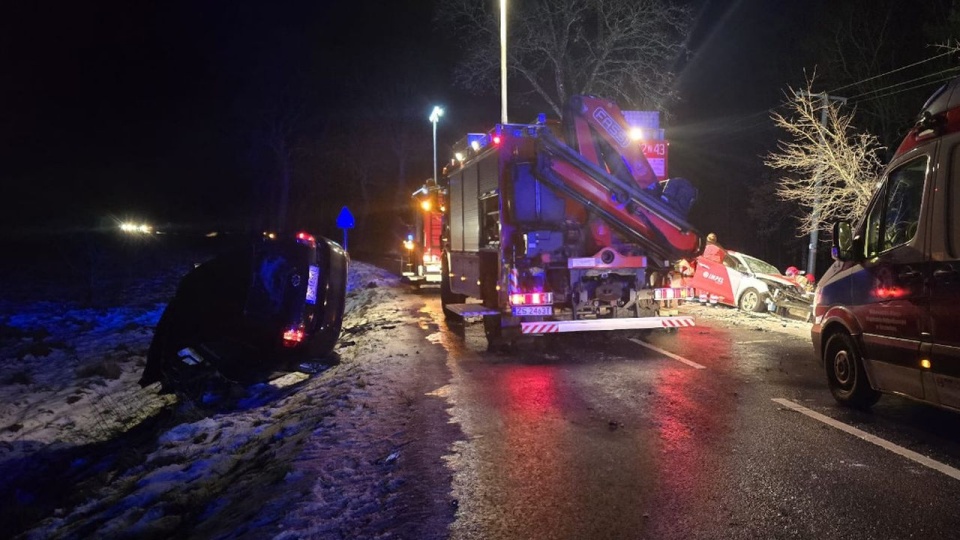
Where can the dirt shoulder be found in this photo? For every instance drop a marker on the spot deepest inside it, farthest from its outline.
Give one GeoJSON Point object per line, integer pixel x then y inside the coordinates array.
{"type": "Point", "coordinates": [732, 317]}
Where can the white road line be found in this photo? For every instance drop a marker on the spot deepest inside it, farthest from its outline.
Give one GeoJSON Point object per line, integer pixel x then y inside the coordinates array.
{"type": "Point", "coordinates": [690, 363]}
{"type": "Point", "coordinates": [909, 454]}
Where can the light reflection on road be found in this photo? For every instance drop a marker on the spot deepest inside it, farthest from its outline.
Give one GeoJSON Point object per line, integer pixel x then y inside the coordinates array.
{"type": "Point", "coordinates": [693, 421]}
{"type": "Point", "coordinates": [532, 391]}
{"type": "Point", "coordinates": [544, 457]}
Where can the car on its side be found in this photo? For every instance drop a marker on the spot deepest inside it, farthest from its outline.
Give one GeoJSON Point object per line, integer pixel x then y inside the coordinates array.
{"type": "Point", "coordinates": [745, 282]}
{"type": "Point", "coordinates": [265, 306]}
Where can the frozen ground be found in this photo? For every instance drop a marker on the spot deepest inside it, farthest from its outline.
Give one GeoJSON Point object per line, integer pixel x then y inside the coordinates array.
{"type": "Point", "coordinates": [85, 452]}
{"type": "Point", "coordinates": [356, 450]}
{"type": "Point", "coordinates": [763, 322]}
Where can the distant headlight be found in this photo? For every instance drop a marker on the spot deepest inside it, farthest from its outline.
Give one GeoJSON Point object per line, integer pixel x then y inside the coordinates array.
{"type": "Point", "coordinates": [136, 228]}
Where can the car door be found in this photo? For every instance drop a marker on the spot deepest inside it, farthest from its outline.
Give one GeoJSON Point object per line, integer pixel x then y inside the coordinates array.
{"type": "Point", "coordinates": [944, 279]}
{"type": "Point", "coordinates": [739, 275]}
{"type": "Point", "coordinates": [712, 278]}
{"type": "Point", "coordinates": [890, 296]}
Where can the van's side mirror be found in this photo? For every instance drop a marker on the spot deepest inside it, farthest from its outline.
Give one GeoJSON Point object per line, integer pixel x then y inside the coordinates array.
{"type": "Point", "coordinates": [842, 249]}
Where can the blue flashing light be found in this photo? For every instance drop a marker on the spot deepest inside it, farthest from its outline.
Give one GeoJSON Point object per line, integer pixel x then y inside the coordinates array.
{"type": "Point", "coordinates": [479, 138]}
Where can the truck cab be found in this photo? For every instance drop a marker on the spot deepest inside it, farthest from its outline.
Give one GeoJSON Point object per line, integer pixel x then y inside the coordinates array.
{"type": "Point", "coordinates": [886, 313]}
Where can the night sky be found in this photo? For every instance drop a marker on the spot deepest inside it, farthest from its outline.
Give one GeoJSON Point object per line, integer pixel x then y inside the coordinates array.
{"type": "Point", "coordinates": [144, 109]}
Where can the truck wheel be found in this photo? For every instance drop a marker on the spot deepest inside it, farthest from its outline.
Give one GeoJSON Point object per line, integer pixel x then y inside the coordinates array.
{"type": "Point", "coordinates": [845, 374]}
{"type": "Point", "coordinates": [752, 300]}
{"type": "Point", "coordinates": [502, 338]}
{"type": "Point", "coordinates": [493, 329]}
{"type": "Point", "coordinates": [446, 295]}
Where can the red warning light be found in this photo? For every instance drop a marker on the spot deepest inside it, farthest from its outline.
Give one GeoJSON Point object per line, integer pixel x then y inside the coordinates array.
{"type": "Point", "coordinates": [496, 139]}
{"type": "Point", "coordinates": [306, 238]}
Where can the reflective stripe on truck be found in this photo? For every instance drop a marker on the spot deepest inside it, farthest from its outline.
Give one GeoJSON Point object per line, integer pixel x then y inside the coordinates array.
{"type": "Point", "coordinates": [590, 325]}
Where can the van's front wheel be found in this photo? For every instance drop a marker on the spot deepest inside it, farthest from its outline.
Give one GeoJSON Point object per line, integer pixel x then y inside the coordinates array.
{"type": "Point", "coordinates": [845, 374]}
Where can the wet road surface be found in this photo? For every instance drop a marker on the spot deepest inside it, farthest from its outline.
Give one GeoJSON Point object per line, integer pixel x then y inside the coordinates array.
{"type": "Point", "coordinates": [698, 433]}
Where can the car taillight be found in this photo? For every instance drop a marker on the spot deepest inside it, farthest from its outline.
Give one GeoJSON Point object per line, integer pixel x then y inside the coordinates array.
{"type": "Point", "coordinates": [531, 299]}
{"type": "Point", "coordinates": [292, 336]}
{"type": "Point", "coordinates": [306, 239]}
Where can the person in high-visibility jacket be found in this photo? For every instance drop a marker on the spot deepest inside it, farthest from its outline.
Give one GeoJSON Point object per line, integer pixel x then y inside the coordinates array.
{"type": "Point", "coordinates": [714, 251]}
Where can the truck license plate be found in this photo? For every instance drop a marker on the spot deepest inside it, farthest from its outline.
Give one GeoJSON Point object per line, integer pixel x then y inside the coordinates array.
{"type": "Point", "coordinates": [520, 311]}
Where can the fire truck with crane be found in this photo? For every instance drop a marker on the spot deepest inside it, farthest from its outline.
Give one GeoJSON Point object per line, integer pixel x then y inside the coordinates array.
{"type": "Point", "coordinates": [562, 227]}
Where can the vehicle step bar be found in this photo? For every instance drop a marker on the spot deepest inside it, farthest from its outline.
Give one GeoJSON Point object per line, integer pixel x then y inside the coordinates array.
{"type": "Point", "coordinates": [471, 310]}
{"type": "Point", "coordinates": [590, 325]}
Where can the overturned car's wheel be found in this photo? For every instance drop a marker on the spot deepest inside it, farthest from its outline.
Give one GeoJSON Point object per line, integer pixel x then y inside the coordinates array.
{"type": "Point", "coordinates": [845, 374]}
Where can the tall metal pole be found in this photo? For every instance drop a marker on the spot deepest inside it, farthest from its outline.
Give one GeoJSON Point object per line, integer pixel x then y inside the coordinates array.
{"type": "Point", "coordinates": [815, 233]}
{"type": "Point", "coordinates": [434, 118]}
{"type": "Point", "coordinates": [503, 61]}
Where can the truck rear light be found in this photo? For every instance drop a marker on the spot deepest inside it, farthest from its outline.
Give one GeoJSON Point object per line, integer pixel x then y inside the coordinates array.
{"type": "Point", "coordinates": [293, 336]}
{"type": "Point", "coordinates": [673, 293]}
{"type": "Point", "coordinates": [531, 299]}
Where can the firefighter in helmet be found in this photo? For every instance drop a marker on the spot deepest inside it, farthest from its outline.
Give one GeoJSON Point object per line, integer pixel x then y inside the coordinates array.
{"type": "Point", "coordinates": [714, 251]}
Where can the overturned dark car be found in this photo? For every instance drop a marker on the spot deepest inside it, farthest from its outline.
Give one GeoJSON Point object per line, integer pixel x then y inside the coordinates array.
{"type": "Point", "coordinates": [267, 306]}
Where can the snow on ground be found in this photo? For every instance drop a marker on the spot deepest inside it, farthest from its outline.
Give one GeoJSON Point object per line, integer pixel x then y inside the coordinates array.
{"type": "Point", "coordinates": [85, 452]}
{"type": "Point", "coordinates": [732, 317]}
{"type": "Point", "coordinates": [68, 374]}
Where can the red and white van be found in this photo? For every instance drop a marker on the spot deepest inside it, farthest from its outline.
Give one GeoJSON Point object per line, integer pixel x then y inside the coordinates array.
{"type": "Point", "coordinates": [887, 312]}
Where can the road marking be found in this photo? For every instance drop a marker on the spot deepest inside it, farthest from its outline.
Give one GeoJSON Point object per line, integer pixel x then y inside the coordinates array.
{"type": "Point", "coordinates": [909, 454]}
{"type": "Point", "coordinates": [690, 363]}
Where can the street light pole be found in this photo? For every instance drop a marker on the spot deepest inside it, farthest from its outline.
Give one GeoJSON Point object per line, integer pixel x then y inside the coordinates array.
{"type": "Point", "coordinates": [434, 118]}
{"type": "Point", "coordinates": [503, 61]}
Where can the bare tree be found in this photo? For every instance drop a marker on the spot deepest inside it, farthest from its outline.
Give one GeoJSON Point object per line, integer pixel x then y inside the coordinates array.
{"type": "Point", "coordinates": [351, 153]}
{"type": "Point", "coordinates": [621, 49]}
{"type": "Point", "coordinates": [831, 170]}
{"type": "Point", "coordinates": [870, 54]}
{"type": "Point", "coordinates": [406, 133]}
{"type": "Point", "coordinates": [277, 132]}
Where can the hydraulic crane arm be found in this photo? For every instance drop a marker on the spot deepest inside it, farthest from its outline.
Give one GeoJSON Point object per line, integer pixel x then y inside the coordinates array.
{"type": "Point", "coordinates": [597, 129]}
{"type": "Point", "coordinates": [637, 213]}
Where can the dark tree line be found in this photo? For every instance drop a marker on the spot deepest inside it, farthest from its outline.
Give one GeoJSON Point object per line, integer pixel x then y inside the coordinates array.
{"type": "Point", "coordinates": [884, 58]}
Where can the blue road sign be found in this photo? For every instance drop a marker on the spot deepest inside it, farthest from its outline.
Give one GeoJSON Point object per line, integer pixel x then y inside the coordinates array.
{"type": "Point", "coordinates": [345, 219]}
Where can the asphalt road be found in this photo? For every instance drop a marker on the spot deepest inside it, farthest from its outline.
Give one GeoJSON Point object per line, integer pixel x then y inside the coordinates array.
{"type": "Point", "coordinates": [718, 431]}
